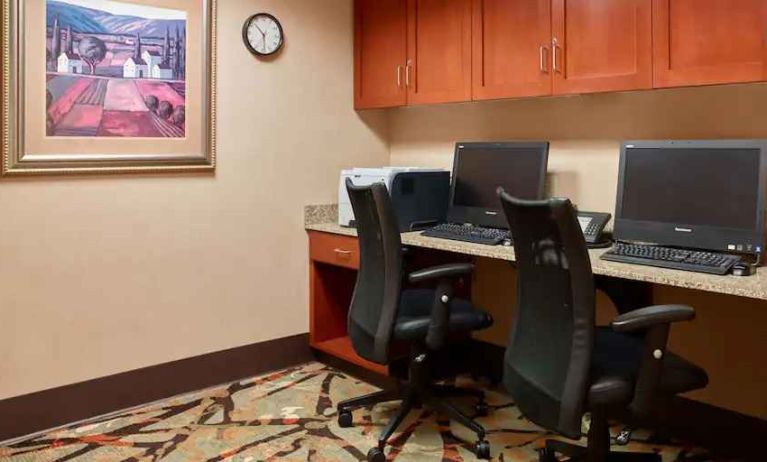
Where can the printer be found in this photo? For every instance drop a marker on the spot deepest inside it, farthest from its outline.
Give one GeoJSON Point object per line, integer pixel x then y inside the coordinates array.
{"type": "Point", "coordinates": [419, 195]}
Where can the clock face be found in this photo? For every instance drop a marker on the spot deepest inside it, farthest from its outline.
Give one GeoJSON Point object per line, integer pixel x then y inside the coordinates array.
{"type": "Point", "coordinates": [263, 34]}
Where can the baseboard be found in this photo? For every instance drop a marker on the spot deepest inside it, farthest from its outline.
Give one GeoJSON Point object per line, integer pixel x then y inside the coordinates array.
{"type": "Point", "coordinates": [722, 431]}
{"type": "Point", "coordinates": [359, 372]}
{"type": "Point", "coordinates": [23, 415]}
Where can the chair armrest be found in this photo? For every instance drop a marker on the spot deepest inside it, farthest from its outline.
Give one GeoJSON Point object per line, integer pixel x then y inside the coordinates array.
{"type": "Point", "coordinates": [441, 272]}
{"type": "Point", "coordinates": [445, 276]}
{"type": "Point", "coordinates": [650, 316]}
{"type": "Point", "coordinates": [655, 323]}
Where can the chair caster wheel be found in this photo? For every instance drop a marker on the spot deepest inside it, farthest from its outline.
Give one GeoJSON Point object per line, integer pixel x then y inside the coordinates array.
{"type": "Point", "coordinates": [624, 437]}
{"type": "Point", "coordinates": [345, 419]}
{"type": "Point", "coordinates": [376, 455]}
{"type": "Point", "coordinates": [482, 409]}
{"type": "Point", "coordinates": [546, 455]}
{"type": "Point", "coordinates": [482, 450]}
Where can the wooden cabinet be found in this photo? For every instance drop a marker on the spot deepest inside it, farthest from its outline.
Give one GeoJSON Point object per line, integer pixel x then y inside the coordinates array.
{"type": "Point", "coordinates": [380, 49]}
{"type": "Point", "coordinates": [540, 47]}
{"type": "Point", "coordinates": [439, 51]}
{"type": "Point", "coordinates": [601, 45]}
{"type": "Point", "coordinates": [700, 42]}
{"type": "Point", "coordinates": [412, 52]}
{"type": "Point", "coordinates": [510, 43]}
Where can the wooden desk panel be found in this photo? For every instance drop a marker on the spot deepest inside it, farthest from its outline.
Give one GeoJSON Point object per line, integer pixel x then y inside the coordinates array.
{"type": "Point", "coordinates": [750, 287]}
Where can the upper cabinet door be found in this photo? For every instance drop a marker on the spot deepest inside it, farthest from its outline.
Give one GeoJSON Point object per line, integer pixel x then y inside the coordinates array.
{"type": "Point", "coordinates": [511, 48]}
{"type": "Point", "coordinates": [700, 42]}
{"type": "Point", "coordinates": [380, 48]}
{"type": "Point", "coordinates": [602, 45]}
{"type": "Point", "coordinates": [439, 51]}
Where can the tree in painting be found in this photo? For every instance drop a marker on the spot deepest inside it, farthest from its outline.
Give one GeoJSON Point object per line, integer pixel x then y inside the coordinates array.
{"type": "Point", "coordinates": [115, 69]}
{"type": "Point", "coordinates": [92, 51]}
{"type": "Point", "coordinates": [55, 43]}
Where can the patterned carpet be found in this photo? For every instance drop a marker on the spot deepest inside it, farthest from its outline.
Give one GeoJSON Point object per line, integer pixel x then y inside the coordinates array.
{"type": "Point", "coordinates": [287, 416]}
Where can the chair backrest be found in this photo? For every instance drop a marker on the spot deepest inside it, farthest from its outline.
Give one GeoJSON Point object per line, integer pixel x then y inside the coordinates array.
{"type": "Point", "coordinates": [376, 296]}
{"type": "Point", "coordinates": [547, 362]}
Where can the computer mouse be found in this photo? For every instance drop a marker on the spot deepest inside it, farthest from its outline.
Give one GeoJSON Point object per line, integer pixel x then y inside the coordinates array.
{"type": "Point", "coordinates": [743, 269]}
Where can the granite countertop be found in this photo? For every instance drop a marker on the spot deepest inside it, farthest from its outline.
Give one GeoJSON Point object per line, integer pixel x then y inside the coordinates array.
{"type": "Point", "coordinates": [324, 219]}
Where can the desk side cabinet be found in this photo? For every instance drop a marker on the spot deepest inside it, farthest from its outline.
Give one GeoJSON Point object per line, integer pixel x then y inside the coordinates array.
{"type": "Point", "coordinates": [333, 264]}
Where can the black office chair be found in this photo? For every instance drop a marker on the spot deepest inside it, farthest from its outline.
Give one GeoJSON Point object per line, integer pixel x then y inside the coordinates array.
{"type": "Point", "coordinates": [382, 313]}
{"type": "Point", "coordinates": [558, 364]}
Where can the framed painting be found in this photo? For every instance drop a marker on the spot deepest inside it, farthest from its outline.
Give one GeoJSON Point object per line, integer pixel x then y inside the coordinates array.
{"type": "Point", "coordinates": [108, 86]}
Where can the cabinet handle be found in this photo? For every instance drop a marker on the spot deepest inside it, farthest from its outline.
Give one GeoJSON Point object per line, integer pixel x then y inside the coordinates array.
{"type": "Point", "coordinates": [543, 52]}
{"type": "Point", "coordinates": [554, 57]}
{"type": "Point", "coordinates": [407, 73]}
{"type": "Point", "coordinates": [342, 251]}
{"type": "Point", "coordinates": [399, 76]}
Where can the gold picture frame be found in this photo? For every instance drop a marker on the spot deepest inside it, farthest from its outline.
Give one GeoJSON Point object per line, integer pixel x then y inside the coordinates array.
{"type": "Point", "coordinates": [28, 146]}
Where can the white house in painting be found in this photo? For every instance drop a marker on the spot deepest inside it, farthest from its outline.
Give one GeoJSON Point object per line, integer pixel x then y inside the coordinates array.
{"type": "Point", "coordinates": [135, 68]}
{"type": "Point", "coordinates": [70, 63]}
{"type": "Point", "coordinates": [151, 58]}
{"type": "Point", "coordinates": [162, 71]}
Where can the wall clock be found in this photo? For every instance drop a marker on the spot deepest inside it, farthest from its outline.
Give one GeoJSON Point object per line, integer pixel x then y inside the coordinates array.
{"type": "Point", "coordinates": [263, 34]}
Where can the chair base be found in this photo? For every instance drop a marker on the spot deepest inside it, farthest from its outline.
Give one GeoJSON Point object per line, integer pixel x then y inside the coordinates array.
{"type": "Point", "coordinates": [415, 393]}
{"type": "Point", "coordinates": [577, 453]}
{"type": "Point", "coordinates": [598, 449]}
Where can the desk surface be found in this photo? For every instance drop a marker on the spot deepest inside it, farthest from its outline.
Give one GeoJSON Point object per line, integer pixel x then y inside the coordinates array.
{"type": "Point", "coordinates": [322, 219]}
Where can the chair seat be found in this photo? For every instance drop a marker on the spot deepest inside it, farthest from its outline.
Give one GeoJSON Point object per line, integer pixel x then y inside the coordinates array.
{"type": "Point", "coordinates": [414, 315]}
{"type": "Point", "coordinates": [615, 364]}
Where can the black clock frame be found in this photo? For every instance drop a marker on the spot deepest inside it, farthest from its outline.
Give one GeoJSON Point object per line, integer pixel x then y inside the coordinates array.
{"type": "Point", "coordinates": [245, 34]}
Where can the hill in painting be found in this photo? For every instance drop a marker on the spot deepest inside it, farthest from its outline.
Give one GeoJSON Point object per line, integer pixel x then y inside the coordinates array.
{"type": "Point", "coordinates": [87, 20]}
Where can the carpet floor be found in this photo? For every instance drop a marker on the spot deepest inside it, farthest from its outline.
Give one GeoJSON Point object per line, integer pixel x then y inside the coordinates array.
{"type": "Point", "coordinates": [290, 415]}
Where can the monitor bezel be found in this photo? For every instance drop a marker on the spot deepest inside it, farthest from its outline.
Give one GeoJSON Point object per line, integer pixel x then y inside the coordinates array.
{"type": "Point", "coordinates": [491, 217]}
{"type": "Point", "coordinates": [684, 235]}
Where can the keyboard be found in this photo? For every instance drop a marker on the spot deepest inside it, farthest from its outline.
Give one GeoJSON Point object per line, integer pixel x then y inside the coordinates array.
{"type": "Point", "coordinates": [468, 233]}
{"type": "Point", "coordinates": [666, 257]}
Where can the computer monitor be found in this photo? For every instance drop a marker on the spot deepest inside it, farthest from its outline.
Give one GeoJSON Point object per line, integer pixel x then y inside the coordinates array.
{"type": "Point", "coordinates": [695, 194]}
{"type": "Point", "coordinates": [480, 168]}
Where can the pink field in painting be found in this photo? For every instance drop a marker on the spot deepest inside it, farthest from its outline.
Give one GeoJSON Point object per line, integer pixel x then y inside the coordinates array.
{"type": "Point", "coordinates": [82, 119]}
{"type": "Point", "coordinates": [101, 106]}
{"type": "Point", "coordinates": [122, 95]}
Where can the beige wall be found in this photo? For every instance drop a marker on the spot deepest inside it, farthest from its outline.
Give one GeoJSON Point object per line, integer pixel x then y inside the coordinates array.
{"type": "Point", "coordinates": [103, 275]}
{"type": "Point", "coordinates": [727, 338]}
{"type": "Point", "coordinates": [585, 131]}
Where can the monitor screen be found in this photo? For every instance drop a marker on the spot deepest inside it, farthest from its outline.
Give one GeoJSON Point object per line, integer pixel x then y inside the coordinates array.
{"type": "Point", "coordinates": [701, 194]}
{"type": "Point", "coordinates": [481, 168]}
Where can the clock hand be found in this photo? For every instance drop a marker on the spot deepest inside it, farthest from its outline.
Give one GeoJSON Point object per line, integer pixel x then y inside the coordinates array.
{"type": "Point", "coordinates": [263, 38]}
{"type": "Point", "coordinates": [259, 29]}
